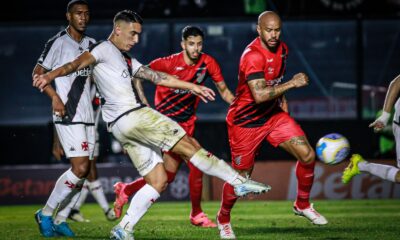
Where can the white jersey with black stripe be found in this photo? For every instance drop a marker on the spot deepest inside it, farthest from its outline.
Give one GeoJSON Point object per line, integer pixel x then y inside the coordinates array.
{"type": "Point", "coordinates": [396, 117]}
{"type": "Point", "coordinates": [73, 89]}
{"type": "Point", "coordinates": [112, 74]}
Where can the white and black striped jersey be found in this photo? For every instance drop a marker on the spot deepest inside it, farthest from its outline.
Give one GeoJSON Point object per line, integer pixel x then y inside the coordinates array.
{"type": "Point", "coordinates": [73, 89]}
{"type": "Point", "coordinates": [396, 117]}
{"type": "Point", "coordinates": [112, 73]}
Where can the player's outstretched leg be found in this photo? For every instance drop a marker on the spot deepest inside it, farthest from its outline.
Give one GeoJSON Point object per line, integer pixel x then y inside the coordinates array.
{"type": "Point", "coordinates": [352, 169]}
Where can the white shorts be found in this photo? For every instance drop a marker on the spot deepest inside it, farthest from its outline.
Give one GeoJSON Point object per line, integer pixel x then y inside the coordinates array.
{"type": "Point", "coordinates": [144, 133]}
{"type": "Point", "coordinates": [96, 150]}
{"type": "Point", "coordinates": [77, 140]}
{"type": "Point", "coordinates": [396, 133]}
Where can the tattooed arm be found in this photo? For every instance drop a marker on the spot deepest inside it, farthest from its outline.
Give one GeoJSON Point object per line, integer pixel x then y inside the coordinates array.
{"type": "Point", "coordinates": [224, 91]}
{"type": "Point", "coordinates": [137, 83]}
{"type": "Point", "coordinates": [166, 80]}
{"type": "Point", "coordinates": [43, 80]}
{"type": "Point", "coordinates": [262, 93]}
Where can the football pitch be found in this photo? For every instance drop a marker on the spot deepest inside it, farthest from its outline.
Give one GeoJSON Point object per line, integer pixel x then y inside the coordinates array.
{"type": "Point", "coordinates": [348, 219]}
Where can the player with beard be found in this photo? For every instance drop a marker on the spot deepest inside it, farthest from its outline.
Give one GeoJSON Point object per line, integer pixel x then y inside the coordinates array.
{"type": "Point", "coordinates": [260, 112]}
{"type": "Point", "coordinates": [191, 65]}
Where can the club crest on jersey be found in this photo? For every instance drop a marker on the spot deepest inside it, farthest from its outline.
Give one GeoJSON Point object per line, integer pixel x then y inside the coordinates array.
{"type": "Point", "coordinates": [179, 68]}
{"type": "Point", "coordinates": [238, 160]}
{"type": "Point", "coordinates": [270, 70]}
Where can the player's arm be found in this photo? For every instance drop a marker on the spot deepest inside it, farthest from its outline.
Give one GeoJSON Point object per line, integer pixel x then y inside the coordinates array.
{"type": "Point", "coordinates": [137, 83]}
{"type": "Point", "coordinates": [224, 91]}
{"type": "Point", "coordinates": [390, 99]}
{"type": "Point", "coordinates": [43, 80]}
{"type": "Point", "coordinates": [166, 80]}
{"type": "Point", "coordinates": [57, 104]}
{"type": "Point", "coordinates": [262, 93]}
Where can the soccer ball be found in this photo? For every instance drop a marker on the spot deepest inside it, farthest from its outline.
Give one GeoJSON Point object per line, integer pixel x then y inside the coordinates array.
{"type": "Point", "coordinates": [332, 148]}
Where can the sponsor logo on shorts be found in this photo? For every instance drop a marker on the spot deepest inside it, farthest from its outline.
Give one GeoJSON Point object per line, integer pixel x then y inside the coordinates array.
{"type": "Point", "coordinates": [72, 149]}
{"type": "Point", "coordinates": [175, 131]}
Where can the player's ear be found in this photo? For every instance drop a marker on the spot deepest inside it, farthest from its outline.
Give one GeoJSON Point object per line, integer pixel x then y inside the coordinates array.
{"type": "Point", "coordinates": [183, 45]}
{"type": "Point", "coordinates": [68, 16]}
{"type": "Point", "coordinates": [258, 29]}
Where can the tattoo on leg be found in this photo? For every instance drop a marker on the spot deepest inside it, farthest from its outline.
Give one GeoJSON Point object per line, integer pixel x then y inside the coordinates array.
{"type": "Point", "coordinates": [298, 140]}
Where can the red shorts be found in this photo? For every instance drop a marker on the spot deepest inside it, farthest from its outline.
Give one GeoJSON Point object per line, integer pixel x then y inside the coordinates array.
{"type": "Point", "coordinates": [245, 142]}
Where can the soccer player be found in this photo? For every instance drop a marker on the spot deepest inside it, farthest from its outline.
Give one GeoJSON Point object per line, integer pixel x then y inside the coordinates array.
{"type": "Point", "coordinates": [259, 112]}
{"type": "Point", "coordinates": [190, 65]}
{"type": "Point", "coordinates": [358, 164]}
{"type": "Point", "coordinates": [72, 116]}
{"type": "Point", "coordinates": [92, 182]}
{"type": "Point", "coordinates": [142, 131]}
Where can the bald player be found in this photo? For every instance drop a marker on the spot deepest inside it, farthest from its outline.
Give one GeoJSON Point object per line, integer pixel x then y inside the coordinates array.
{"type": "Point", "coordinates": [260, 112]}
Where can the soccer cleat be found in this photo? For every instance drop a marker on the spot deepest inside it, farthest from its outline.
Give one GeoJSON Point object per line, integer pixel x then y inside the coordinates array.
{"type": "Point", "coordinates": [110, 214]}
{"type": "Point", "coordinates": [63, 229]}
{"type": "Point", "coordinates": [352, 169]}
{"type": "Point", "coordinates": [76, 215]}
{"type": "Point", "coordinates": [250, 186]}
{"type": "Point", "coordinates": [45, 224]}
{"type": "Point", "coordinates": [118, 233]}
{"type": "Point", "coordinates": [311, 214]}
{"type": "Point", "coordinates": [225, 230]}
{"type": "Point", "coordinates": [201, 220]}
{"type": "Point", "coordinates": [120, 198]}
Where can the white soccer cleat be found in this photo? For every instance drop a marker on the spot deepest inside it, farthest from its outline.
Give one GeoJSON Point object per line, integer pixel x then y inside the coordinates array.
{"type": "Point", "coordinates": [118, 233]}
{"type": "Point", "coordinates": [311, 214]}
{"type": "Point", "coordinates": [225, 231]}
{"type": "Point", "coordinates": [250, 186]}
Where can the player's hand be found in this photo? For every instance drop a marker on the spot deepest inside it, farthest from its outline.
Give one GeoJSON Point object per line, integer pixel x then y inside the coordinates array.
{"type": "Point", "coordinates": [41, 81]}
{"type": "Point", "coordinates": [204, 93]}
{"type": "Point", "coordinates": [380, 123]}
{"type": "Point", "coordinates": [300, 80]}
{"type": "Point", "coordinates": [58, 106]}
{"type": "Point", "coordinates": [377, 125]}
{"type": "Point", "coordinates": [57, 150]}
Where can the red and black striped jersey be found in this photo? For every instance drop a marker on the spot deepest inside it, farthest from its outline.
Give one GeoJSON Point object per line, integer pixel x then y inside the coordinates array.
{"type": "Point", "coordinates": [257, 62]}
{"type": "Point", "coordinates": [181, 105]}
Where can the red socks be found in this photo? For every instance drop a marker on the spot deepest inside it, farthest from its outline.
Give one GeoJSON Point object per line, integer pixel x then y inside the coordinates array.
{"type": "Point", "coordinates": [228, 200]}
{"type": "Point", "coordinates": [305, 179]}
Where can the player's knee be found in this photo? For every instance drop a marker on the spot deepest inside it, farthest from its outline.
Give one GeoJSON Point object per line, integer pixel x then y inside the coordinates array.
{"type": "Point", "coordinates": [186, 147]}
{"type": "Point", "coordinates": [81, 170]}
{"type": "Point", "coordinates": [308, 156]}
{"type": "Point", "coordinates": [160, 184]}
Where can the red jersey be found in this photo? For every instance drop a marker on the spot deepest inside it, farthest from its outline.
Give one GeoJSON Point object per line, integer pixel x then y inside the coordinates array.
{"type": "Point", "coordinates": [181, 105]}
{"type": "Point", "coordinates": [257, 62]}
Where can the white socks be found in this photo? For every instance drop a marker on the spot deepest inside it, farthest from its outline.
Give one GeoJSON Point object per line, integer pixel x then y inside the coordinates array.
{"type": "Point", "coordinates": [139, 205]}
{"type": "Point", "coordinates": [83, 196]}
{"type": "Point", "coordinates": [64, 186]}
{"type": "Point", "coordinates": [63, 214]}
{"type": "Point", "coordinates": [213, 166]}
{"type": "Point", "coordinates": [383, 171]}
{"type": "Point", "coordinates": [97, 191]}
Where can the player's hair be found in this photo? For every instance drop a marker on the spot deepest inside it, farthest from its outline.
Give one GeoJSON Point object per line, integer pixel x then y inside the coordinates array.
{"type": "Point", "coordinates": [128, 16]}
{"type": "Point", "coordinates": [75, 2]}
{"type": "Point", "coordinates": [191, 31]}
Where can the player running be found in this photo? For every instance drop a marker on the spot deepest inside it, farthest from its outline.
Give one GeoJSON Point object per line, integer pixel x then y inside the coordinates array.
{"type": "Point", "coordinates": [259, 113]}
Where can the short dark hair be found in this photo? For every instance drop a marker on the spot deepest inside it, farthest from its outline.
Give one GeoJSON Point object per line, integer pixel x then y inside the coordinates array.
{"type": "Point", "coordinates": [128, 16]}
{"type": "Point", "coordinates": [75, 2]}
{"type": "Point", "coordinates": [191, 31]}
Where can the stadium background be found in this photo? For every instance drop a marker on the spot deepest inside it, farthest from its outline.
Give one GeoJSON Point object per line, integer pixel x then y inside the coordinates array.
{"type": "Point", "coordinates": [349, 48]}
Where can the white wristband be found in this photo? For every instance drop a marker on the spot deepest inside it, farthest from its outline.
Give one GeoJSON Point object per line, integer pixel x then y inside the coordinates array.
{"type": "Point", "coordinates": [384, 118]}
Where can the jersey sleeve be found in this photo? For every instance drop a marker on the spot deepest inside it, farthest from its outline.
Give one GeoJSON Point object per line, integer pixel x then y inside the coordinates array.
{"type": "Point", "coordinates": [253, 65]}
{"type": "Point", "coordinates": [99, 51]}
{"type": "Point", "coordinates": [214, 70]}
{"type": "Point", "coordinates": [135, 66]}
{"type": "Point", "coordinates": [160, 64]}
{"type": "Point", "coordinates": [50, 55]}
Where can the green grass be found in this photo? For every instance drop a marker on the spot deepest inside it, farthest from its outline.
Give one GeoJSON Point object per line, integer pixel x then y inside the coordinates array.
{"type": "Point", "coordinates": [348, 219]}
